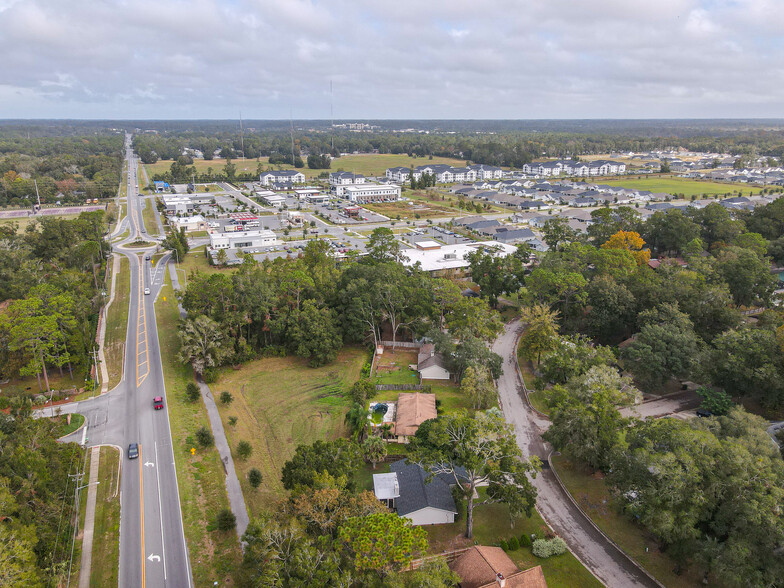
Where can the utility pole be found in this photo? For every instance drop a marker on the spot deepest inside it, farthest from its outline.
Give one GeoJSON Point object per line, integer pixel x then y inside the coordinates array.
{"type": "Point", "coordinates": [37, 195]}
{"type": "Point", "coordinates": [331, 118]}
{"type": "Point", "coordinates": [242, 138]}
{"type": "Point", "coordinates": [291, 131]}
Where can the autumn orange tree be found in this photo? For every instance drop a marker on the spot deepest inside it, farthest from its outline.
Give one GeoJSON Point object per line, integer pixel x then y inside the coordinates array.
{"type": "Point", "coordinates": [632, 242]}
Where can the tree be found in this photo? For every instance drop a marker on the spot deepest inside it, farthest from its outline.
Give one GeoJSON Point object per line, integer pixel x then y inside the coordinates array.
{"type": "Point", "coordinates": [669, 231]}
{"type": "Point", "coordinates": [495, 274]}
{"type": "Point", "coordinates": [337, 458]}
{"type": "Point", "coordinates": [313, 334]}
{"type": "Point", "coordinates": [478, 387]}
{"type": "Point", "coordinates": [222, 256]}
{"type": "Point", "coordinates": [361, 391]}
{"type": "Point", "coordinates": [629, 241]}
{"type": "Point", "coordinates": [192, 392]}
{"type": "Point", "coordinates": [383, 246]}
{"type": "Point", "coordinates": [202, 343]}
{"type": "Point", "coordinates": [714, 400]}
{"type": "Point", "coordinates": [357, 420]}
{"type": "Point", "coordinates": [541, 331]}
{"type": "Point", "coordinates": [748, 277]}
{"type": "Point", "coordinates": [557, 233]}
{"type": "Point", "coordinates": [226, 397]}
{"type": "Point", "coordinates": [204, 436]}
{"type": "Point", "coordinates": [665, 347]}
{"type": "Point", "coordinates": [232, 421]}
{"type": "Point", "coordinates": [560, 288]}
{"type": "Point", "coordinates": [225, 520]}
{"type": "Point", "coordinates": [254, 478]}
{"type": "Point", "coordinates": [605, 222]}
{"type": "Point", "coordinates": [571, 357]}
{"type": "Point", "coordinates": [244, 449]}
{"type": "Point", "coordinates": [374, 449]}
{"type": "Point", "coordinates": [477, 450]}
{"type": "Point", "coordinates": [611, 308]}
{"type": "Point", "coordinates": [384, 543]}
{"type": "Point", "coordinates": [17, 558]}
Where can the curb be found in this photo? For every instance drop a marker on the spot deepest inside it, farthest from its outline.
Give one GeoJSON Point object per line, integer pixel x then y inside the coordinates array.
{"type": "Point", "coordinates": [594, 525]}
{"type": "Point", "coordinates": [522, 380]}
{"type": "Point", "coordinates": [82, 426]}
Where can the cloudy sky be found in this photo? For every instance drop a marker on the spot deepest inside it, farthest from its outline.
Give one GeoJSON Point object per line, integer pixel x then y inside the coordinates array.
{"type": "Point", "coordinates": [391, 58]}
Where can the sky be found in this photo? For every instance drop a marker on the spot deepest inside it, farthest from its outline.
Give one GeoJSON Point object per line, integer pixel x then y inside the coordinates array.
{"type": "Point", "coordinates": [391, 59]}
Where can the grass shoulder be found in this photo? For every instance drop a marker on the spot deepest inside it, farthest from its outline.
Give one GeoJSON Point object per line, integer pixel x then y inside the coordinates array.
{"type": "Point", "coordinates": [200, 477]}
{"type": "Point", "coordinates": [593, 496]}
{"type": "Point", "coordinates": [117, 323]}
{"type": "Point", "coordinates": [106, 546]}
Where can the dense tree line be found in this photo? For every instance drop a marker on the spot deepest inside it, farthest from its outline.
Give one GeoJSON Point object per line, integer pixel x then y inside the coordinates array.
{"type": "Point", "coordinates": [68, 169]}
{"type": "Point", "coordinates": [311, 306]}
{"type": "Point", "coordinates": [36, 499]}
{"type": "Point", "coordinates": [51, 277]}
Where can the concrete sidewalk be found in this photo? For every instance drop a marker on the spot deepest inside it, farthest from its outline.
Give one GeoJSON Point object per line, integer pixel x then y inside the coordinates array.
{"type": "Point", "coordinates": [89, 520]}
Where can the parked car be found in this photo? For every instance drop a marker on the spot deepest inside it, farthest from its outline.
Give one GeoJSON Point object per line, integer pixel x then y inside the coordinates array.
{"type": "Point", "coordinates": [133, 451]}
{"type": "Point", "coordinates": [702, 412]}
{"type": "Point", "coordinates": [157, 402]}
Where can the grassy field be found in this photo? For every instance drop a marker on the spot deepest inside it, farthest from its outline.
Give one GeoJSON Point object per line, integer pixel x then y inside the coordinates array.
{"type": "Point", "coordinates": [405, 211]}
{"type": "Point", "coordinates": [213, 554]}
{"type": "Point", "coordinates": [23, 222]}
{"type": "Point", "coordinates": [29, 384]}
{"type": "Point", "coordinates": [65, 428]}
{"type": "Point", "coordinates": [392, 368]}
{"type": "Point", "coordinates": [448, 396]}
{"type": "Point", "coordinates": [592, 495]}
{"type": "Point", "coordinates": [368, 164]}
{"type": "Point", "coordinates": [196, 261]}
{"type": "Point", "coordinates": [117, 324]}
{"type": "Point", "coordinates": [106, 546]}
{"type": "Point", "coordinates": [491, 524]}
{"type": "Point", "coordinates": [676, 185]}
{"type": "Point", "coordinates": [281, 403]}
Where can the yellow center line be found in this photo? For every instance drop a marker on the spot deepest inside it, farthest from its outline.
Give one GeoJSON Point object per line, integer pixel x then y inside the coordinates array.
{"type": "Point", "coordinates": [141, 510]}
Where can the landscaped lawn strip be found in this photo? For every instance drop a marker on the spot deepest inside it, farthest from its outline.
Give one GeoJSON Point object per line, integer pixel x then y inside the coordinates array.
{"type": "Point", "coordinates": [106, 543]}
{"type": "Point", "coordinates": [214, 555]}
{"type": "Point", "coordinates": [117, 324]}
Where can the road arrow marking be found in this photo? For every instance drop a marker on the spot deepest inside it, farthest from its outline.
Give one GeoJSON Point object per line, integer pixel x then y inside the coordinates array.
{"type": "Point", "coordinates": [153, 557]}
{"type": "Point", "coordinates": [149, 464]}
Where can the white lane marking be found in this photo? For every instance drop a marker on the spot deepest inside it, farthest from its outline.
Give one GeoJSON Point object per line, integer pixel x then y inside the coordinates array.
{"type": "Point", "coordinates": [153, 557]}
{"type": "Point", "coordinates": [149, 464]}
{"type": "Point", "coordinates": [160, 510]}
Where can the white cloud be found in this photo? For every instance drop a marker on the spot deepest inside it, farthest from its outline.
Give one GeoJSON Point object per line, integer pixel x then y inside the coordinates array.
{"type": "Point", "coordinates": [391, 58]}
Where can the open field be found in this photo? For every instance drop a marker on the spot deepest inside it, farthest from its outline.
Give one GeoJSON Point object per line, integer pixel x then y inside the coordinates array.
{"type": "Point", "coordinates": [106, 546]}
{"type": "Point", "coordinates": [405, 211]}
{"type": "Point", "coordinates": [369, 164]}
{"type": "Point", "coordinates": [23, 222]}
{"type": "Point", "coordinates": [393, 368]}
{"type": "Point", "coordinates": [492, 524]}
{"type": "Point", "coordinates": [148, 216]}
{"type": "Point", "coordinates": [117, 324]}
{"type": "Point", "coordinates": [281, 403]}
{"type": "Point", "coordinates": [676, 185]}
{"type": "Point", "coordinates": [29, 384]}
{"type": "Point", "coordinates": [213, 554]}
{"type": "Point", "coordinates": [592, 495]}
{"type": "Point", "coordinates": [196, 261]}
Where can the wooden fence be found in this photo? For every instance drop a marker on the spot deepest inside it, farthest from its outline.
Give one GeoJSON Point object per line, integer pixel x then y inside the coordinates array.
{"type": "Point", "coordinates": [402, 344]}
{"type": "Point", "coordinates": [404, 387]}
{"type": "Point", "coordinates": [448, 556]}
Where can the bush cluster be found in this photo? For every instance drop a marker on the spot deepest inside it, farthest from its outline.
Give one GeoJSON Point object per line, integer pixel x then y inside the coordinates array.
{"type": "Point", "coordinates": [545, 548]}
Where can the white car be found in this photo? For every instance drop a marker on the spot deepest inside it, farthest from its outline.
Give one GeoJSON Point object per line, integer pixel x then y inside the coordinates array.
{"type": "Point", "coordinates": [146, 290]}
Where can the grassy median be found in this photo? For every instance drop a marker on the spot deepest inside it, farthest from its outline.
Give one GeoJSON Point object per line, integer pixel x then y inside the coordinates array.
{"type": "Point", "coordinates": [214, 555]}
{"type": "Point", "coordinates": [117, 324]}
{"type": "Point", "coordinates": [106, 543]}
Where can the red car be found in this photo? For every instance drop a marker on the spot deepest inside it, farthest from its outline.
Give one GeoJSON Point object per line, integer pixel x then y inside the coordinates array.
{"type": "Point", "coordinates": [157, 402]}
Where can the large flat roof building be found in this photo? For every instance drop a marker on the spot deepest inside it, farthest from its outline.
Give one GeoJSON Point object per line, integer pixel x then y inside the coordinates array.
{"type": "Point", "coordinates": [243, 240]}
{"type": "Point", "coordinates": [365, 193]}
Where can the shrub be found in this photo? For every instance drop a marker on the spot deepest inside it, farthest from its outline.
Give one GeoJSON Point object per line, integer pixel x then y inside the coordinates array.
{"type": "Point", "coordinates": [232, 420]}
{"type": "Point", "coordinates": [545, 548]}
{"type": "Point", "coordinates": [525, 540]}
{"type": "Point", "coordinates": [225, 521]}
{"type": "Point", "coordinates": [192, 392]}
{"type": "Point", "coordinates": [504, 545]}
{"type": "Point", "coordinates": [514, 545]}
{"type": "Point", "coordinates": [226, 397]}
{"type": "Point", "coordinates": [254, 477]}
{"type": "Point", "coordinates": [244, 449]}
{"type": "Point", "coordinates": [204, 437]}
{"type": "Point", "coordinates": [210, 375]}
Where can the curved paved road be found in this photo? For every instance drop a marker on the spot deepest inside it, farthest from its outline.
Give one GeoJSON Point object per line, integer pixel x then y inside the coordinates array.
{"type": "Point", "coordinates": [600, 556]}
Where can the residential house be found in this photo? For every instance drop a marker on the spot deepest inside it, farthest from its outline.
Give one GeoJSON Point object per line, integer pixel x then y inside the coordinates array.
{"type": "Point", "coordinates": [407, 490]}
{"type": "Point", "coordinates": [343, 178]}
{"type": "Point", "coordinates": [486, 172]}
{"type": "Point", "coordinates": [399, 174]}
{"type": "Point", "coordinates": [431, 365]}
{"type": "Point", "coordinates": [490, 567]}
{"type": "Point", "coordinates": [413, 409]}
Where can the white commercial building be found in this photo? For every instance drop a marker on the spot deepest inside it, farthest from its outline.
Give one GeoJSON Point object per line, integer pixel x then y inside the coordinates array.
{"type": "Point", "coordinates": [190, 223]}
{"type": "Point", "coordinates": [433, 258]}
{"type": "Point", "coordinates": [177, 204]}
{"type": "Point", "coordinates": [364, 193]}
{"type": "Point", "coordinates": [243, 240]}
{"type": "Point", "coordinates": [282, 176]}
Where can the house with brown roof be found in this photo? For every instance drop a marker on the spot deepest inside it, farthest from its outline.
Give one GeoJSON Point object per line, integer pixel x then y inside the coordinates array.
{"type": "Point", "coordinates": [413, 409]}
{"type": "Point", "coordinates": [486, 567]}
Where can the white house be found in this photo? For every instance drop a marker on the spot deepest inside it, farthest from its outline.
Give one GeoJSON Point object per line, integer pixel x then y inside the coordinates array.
{"type": "Point", "coordinates": [406, 491]}
{"type": "Point", "coordinates": [282, 176]}
{"type": "Point", "coordinates": [431, 365]}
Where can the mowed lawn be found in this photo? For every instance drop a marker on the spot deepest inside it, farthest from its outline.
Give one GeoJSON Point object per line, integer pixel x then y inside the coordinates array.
{"type": "Point", "coordinates": [281, 403]}
{"type": "Point", "coordinates": [214, 555]}
{"type": "Point", "coordinates": [591, 493]}
{"type": "Point", "coordinates": [685, 186]}
{"type": "Point", "coordinates": [368, 164]}
{"type": "Point", "coordinates": [106, 547]}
